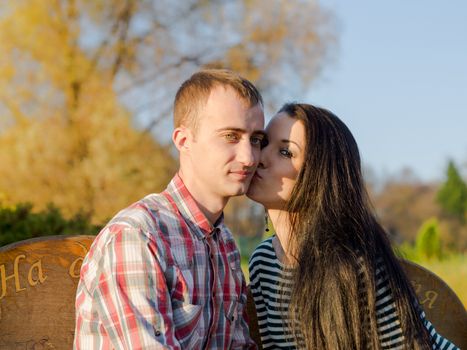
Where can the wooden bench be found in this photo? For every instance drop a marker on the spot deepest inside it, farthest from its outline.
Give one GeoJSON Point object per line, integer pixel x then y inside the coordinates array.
{"type": "Point", "coordinates": [38, 280]}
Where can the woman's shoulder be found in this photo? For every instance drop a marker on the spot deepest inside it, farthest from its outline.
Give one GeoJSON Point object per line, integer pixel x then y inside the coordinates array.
{"type": "Point", "coordinates": [263, 252]}
{"type": "Point", "coordinates": [265, 245]}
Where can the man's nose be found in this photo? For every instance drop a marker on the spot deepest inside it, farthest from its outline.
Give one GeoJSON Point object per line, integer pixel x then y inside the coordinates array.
{"type": "Point", "coordinates": [248, 155]}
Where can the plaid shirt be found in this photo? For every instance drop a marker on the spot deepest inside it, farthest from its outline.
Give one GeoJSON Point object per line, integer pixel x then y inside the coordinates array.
{"type": "Point", "coordinates": [160, 276]}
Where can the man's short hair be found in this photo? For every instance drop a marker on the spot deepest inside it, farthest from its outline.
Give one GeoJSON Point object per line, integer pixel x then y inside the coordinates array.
{"type": "Point", "coordinates": [194, 94]}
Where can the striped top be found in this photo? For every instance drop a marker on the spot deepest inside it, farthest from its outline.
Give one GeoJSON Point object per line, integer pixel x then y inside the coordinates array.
{"type": "Point", "coordinates": [267, 273]}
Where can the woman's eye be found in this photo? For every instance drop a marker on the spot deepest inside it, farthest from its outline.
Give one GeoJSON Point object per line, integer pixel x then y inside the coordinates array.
{"type": "Point", "coordinates": [286, 153]}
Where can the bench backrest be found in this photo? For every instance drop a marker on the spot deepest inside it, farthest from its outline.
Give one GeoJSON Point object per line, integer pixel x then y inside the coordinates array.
{"type": "Point", "coordinates": [38, 280]}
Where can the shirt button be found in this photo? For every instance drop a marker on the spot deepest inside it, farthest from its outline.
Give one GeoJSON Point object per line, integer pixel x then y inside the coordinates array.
{"type": "Point", "coordinates": [158, 333]}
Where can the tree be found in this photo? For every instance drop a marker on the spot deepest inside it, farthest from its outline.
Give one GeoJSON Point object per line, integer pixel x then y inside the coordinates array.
{"type": "Point", "coordinates": [403, 203]}
{"type": "Point", "coordinates": [452, 196]}
{"type": "Point", "coordinates": [428, 243]}
{"type": "Point", "coordinates": [19, 222]}
{"type": "Point", "coordinates": [144, 49]}
{"type": "Point", "coordinates": [66, 139]}
{"type": "Point", "coordinates": [98, 167]}
{"type": "Point", "coordinates": [83, 81]}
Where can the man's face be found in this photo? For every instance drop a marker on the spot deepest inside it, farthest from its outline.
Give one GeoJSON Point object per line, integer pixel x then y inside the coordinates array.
{"type": "Point", "coordinates": [225, 149]}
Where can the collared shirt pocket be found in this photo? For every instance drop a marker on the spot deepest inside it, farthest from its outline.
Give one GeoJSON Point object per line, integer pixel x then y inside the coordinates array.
{"type": "Point", "coordinates": [186, 318]}
{"type": "Point", "coordinates": [235, 301]}
{"type": "Point", "coordinates": [179, 274]}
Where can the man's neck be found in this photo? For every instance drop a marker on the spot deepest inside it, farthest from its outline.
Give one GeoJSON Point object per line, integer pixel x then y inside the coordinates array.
{"type": "Point", "coordinates": [210, 205]}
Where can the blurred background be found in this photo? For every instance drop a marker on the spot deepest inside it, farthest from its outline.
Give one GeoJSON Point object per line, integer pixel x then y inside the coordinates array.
{"type": "Point", "coordinates": [86, 92]}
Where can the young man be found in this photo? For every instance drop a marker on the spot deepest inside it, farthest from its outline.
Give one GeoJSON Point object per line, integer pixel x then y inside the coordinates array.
{"type": "Point", "coordinates": [165, 272]}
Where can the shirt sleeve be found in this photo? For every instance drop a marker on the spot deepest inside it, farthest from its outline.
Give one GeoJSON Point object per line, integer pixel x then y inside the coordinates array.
{"type": "Point", "coordinates": [130, 294]}
{"type": "Point", "coordinates": [439, 342]}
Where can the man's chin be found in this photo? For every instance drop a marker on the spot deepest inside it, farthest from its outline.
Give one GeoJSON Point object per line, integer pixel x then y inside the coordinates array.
{"type": "Point", "coordinates": [240, 192]}
{"type": "Point", "coordinates": [241, 188]}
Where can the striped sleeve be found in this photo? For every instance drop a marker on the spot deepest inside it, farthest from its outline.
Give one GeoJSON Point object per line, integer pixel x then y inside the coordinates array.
{"type": "Point", "coordinates": [439, 342]}
{"type": "Point", "coordinates": [389, 328]}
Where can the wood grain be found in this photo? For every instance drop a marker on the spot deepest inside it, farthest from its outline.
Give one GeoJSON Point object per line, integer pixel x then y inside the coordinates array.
{"type": "Point", "coordinates": [38, 280]}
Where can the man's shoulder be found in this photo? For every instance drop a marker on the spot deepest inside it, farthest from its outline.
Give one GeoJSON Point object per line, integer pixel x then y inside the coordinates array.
{"type": "Point", "coordinates": [146, 215]}
{"type": "Point", "coordinates": [142, 223]}
{"type": "Point", "coordinates": [143, 220]}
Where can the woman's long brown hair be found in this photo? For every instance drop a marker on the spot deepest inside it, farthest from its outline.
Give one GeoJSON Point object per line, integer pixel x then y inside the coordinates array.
{"type": "Point", "coordinates": [336, 241]}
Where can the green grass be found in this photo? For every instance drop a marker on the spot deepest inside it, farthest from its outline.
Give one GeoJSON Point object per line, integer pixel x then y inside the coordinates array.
{"type": "Point", "coordinates": [245, 269]}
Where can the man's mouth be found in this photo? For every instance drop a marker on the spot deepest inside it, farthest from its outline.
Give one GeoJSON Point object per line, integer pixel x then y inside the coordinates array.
{"type": "Point", "coordinates": [243, 174]}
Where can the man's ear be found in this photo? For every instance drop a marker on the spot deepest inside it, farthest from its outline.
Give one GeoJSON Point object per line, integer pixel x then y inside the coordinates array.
{"type": "Point", "coordinates": [181, 138]}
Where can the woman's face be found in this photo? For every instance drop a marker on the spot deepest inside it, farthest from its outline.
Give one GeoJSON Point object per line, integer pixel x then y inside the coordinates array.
{"type": "Point", "coordinates": [280, 162]}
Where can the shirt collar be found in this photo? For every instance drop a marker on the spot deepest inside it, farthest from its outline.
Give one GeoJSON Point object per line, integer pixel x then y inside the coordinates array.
{"type": "Point", "coordinates": [190, 211]}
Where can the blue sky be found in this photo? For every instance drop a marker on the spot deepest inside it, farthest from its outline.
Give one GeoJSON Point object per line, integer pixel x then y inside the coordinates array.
{"type": "Point", "coordinates": [399, 81]}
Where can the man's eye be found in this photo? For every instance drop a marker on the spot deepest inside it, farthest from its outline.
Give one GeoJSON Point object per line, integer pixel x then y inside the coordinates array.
{"type": "Point", "coordinates": [286, 153]}
{"type": "Point", "coordinates": [256, 140]}
{"type": "Point", "coordinates": [231, 137]}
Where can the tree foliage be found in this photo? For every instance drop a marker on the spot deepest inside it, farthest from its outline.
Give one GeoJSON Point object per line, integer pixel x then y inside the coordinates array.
{"type": "Point", "coordinates": [452, 196]}
{"type": "Point", "coordinates": [404, 203]}
{"type": "Point", "coordinates": [83, 81]}
{"type": "Point", "coordinates": [67, 139]}
{"type": "Point", "coordinates": [19, 222]}
{"type": "Point", "coordinates": [428, 243]}
{"type": "Point", "coordinates": [144, 49]}
{"type": "Point", "coordinates": [403, 206]}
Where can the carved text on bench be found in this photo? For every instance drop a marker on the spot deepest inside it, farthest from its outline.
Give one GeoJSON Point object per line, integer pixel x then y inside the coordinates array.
{"type": "Point", "coordinates": [35, 274]}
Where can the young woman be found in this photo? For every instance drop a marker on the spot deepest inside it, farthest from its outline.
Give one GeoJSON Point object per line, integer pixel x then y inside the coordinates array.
{"type": "Point", "coordinates": [328, 278]}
